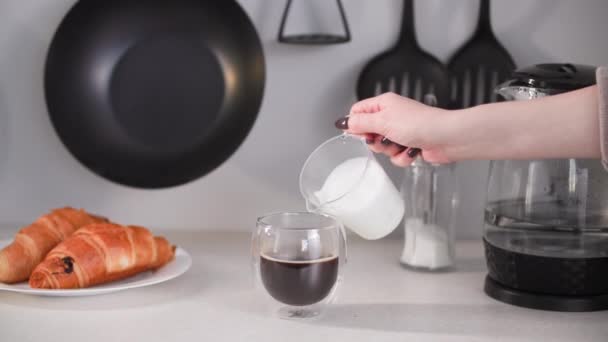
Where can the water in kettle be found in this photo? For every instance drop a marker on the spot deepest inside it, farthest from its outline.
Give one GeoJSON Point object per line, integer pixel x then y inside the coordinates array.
{"type": "Point", "coordinates": [546, 229]}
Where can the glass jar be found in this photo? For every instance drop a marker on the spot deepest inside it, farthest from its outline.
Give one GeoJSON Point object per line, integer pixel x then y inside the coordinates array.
{"type": "Point", "coordinates": [430, 197]}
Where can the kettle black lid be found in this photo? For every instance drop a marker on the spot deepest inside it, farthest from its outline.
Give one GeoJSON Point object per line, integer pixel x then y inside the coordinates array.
{"type": "Point", "coordinates": [555, 76]}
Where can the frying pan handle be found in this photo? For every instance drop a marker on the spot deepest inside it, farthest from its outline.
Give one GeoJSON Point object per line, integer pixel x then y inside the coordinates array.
{"type": "Point", "coordinates": [408, 25]}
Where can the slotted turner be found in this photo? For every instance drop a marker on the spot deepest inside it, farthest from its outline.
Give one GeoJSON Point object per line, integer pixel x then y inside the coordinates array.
{"type": "Point", "coordinates": [406, 69]}
{"type": "Point", "coordinates": [479, 65]}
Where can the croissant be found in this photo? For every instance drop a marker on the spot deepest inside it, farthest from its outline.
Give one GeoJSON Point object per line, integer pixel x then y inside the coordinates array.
{"type": "Point", "coordinates": [33, 242]}
{"type": "Point", "coordinates": [101, 253]}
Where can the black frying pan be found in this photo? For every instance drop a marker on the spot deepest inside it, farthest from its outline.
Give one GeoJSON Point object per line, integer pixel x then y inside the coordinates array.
{"type": "Point", "coordinates": [154, 93]}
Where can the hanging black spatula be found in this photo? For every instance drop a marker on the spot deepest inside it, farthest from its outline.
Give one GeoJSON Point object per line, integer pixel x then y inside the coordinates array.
{"type": "Point", "coordinates": [406, 68]}
{"type": "Point", "coordinates": [479, 66]}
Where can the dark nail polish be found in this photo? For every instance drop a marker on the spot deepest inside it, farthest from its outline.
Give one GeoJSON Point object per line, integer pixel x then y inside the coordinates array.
{"type": "Point", "coordinates": [385, 141]}
{"type": "Point", "coordinates": [412, 153]}
{"type": "Point", "coordinates": [342, 123]}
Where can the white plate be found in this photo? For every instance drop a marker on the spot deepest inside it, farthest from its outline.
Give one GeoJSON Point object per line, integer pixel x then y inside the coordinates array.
{"type": "Point", "coordinates": [175, 268]}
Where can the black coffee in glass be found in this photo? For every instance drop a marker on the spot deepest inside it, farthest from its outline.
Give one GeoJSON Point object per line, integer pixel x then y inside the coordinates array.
{"type": "Point", "coordinates": [299, 282]}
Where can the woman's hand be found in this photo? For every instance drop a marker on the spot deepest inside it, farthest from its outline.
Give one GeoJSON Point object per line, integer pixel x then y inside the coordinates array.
{"type": "Point", "coordinates": [399, 127]}
{"type": "Point", "coordinates": [558, 126]}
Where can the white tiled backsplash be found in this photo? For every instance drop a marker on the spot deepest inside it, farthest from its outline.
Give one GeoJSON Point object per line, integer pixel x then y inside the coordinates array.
{"type": "Point", "coordinates": [307, 89]}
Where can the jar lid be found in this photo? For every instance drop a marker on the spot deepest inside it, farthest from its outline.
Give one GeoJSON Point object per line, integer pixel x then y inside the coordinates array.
{"type": "Point", "coordinates": [558, 77]}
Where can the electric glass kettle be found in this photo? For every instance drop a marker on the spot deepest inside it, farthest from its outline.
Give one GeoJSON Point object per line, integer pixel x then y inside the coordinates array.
{"type": "Point", "coordinates": [546, 221]}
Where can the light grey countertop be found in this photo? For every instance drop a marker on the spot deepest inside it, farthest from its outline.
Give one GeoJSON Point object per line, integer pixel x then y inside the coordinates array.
{"type": "Point", "coordinates": [379, 300]}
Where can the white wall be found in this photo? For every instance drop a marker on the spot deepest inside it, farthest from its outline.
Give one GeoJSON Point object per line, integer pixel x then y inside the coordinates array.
{"type": "Point", "coordinates": [308, 88]}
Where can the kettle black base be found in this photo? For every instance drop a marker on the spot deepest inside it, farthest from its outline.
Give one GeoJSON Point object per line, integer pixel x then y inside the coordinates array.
{"type": "Point", "coordinates": [544, 302]}
{"type": "Point", "coordinates": [546, 283]}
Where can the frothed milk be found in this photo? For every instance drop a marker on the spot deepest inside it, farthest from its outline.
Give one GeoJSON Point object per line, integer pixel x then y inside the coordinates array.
{"type": "Point", "coordinates": [368, 204]}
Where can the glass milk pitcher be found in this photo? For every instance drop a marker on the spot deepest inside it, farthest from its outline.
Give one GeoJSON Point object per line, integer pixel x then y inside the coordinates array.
{"type": "Point", "coordinates": [342, 178]}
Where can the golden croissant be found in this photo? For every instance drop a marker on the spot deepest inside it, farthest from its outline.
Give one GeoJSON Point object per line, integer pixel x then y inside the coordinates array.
{"type": "Point", "coordinates": [33, 242]}
{"type": "Point", "coordinates": [101, 253]}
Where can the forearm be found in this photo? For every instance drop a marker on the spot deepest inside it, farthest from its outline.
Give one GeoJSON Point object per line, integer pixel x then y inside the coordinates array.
{"type": "Point", "coordinates": [560, 126]}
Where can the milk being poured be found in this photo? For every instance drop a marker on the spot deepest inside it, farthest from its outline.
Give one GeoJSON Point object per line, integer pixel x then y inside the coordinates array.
{"type": "Point", "coordinates": [367, 203]}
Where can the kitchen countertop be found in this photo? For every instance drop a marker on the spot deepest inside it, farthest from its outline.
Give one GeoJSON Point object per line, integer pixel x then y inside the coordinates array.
{"type": "Point", "coordinates": [214, 301]}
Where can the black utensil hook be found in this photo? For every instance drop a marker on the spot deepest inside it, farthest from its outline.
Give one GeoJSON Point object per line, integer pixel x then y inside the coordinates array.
{"type": "Point", "coordinates": [314, 39]}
